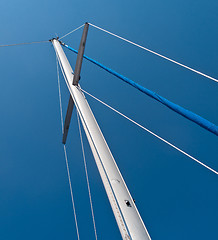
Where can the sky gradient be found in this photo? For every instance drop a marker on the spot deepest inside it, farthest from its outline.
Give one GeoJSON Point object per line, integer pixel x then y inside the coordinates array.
{"type": "Point", "coordinates": [176, 197]}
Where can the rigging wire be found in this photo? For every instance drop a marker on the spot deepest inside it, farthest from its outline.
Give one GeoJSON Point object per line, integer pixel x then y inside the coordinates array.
{"type": "Point", "coordinates": [71, 192]}
{"type": "Point", "coordinates": [65, 153]}
{"type": "Point", "coordinates": [17, 44]}
{"type": "Point", "coordinates": [158, 54]}
{"type": "Point", "coordinates": [202, 122]}
{"type": "Point", "coordinates": [71, 32]}
{"type": "Point", "coordinates": [87, 176]}
{"type": "Point", "coordinates": [83, 152]}
{"type": "Point", "coordinates": [154, 134]}
{"type": "Point", "coordinates": [28, 43]}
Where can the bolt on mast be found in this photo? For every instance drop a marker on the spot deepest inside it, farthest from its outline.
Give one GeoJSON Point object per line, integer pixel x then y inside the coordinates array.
{"type": "Point", "coordinates": [128, 219]}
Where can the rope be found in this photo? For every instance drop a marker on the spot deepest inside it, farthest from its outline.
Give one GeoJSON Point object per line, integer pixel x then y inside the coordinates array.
{"type": "Point", "coordinates": [65, 153]}
{"type": "Point", "coordinates": [71, 31]}
{"type": "Point", "coordinates": [87, 177]}
{"type": "Point", "coordinates": [17, 44]}
{"type": "Point", "coordinates": [211, 127]}
{"type": "Point", "coordinates": [158, 54]}
{"type": "Point", "coordinates": [160, 138]}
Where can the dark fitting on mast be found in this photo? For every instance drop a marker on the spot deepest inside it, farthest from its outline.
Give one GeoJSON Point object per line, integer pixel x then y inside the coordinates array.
{"type": "Point", "coordinates": [80, 55]}
{"type": "Point", "coordinates": [67, 119]}
{"type": "Point", "coordinates": [76, 79]}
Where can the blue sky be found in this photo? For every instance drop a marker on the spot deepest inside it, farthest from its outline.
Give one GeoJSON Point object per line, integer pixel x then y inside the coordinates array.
{"type": "Point", "coordinates": [176, 197]}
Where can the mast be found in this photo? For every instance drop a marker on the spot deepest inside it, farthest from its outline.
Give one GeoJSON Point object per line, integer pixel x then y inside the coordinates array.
{"type": "Point", "coordinates": [128, 219]}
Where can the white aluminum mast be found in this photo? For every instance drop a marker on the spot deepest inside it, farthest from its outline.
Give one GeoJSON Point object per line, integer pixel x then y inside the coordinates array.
{"type": "Point", "coordinates": [126, 214]}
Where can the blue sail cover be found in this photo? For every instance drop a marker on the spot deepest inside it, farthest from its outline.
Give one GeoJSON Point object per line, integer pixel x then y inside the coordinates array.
{"type": "Point", "coordinates": [176, 108]}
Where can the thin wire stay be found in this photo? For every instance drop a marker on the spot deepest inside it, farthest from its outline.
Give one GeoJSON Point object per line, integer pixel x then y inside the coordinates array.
{"type": "Point", "coordinates": [65, 153]}
{"type": "Point", "coordinates": [71, 32]}
{"type": "Point", "coordinates": [154, 134]}
{"type": "Point", "coordinates": [155, 53]}
{"type": "Point", "coordinates": [87, 177]}
{"type": "Point", "coordinates": [17, 44]}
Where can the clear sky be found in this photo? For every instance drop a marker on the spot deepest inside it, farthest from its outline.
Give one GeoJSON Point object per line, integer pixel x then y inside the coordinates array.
{"type": "Point", "coordinates": [176, 197]}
